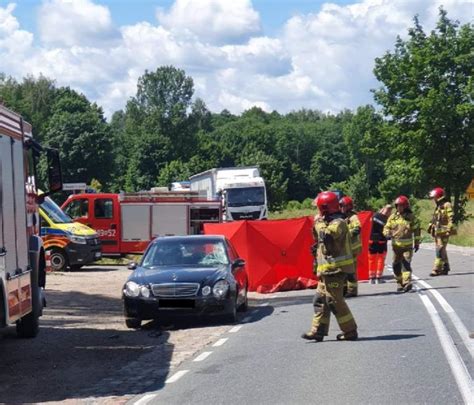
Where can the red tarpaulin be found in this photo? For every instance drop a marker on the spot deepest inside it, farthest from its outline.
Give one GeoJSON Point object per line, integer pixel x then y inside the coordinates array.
{"type": "Point", "coordinates": [277, 252]}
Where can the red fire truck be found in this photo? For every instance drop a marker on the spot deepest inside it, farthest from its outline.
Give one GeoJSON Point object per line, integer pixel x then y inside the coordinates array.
{"type": "Point", "coordinates": [127, 222]}
{"type": "Point", "coordinates": [22, 254]}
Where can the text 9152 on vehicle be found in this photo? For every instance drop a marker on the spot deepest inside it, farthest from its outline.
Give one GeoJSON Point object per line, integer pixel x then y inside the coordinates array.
{"type": "Point", "coordinates": [196, 274]}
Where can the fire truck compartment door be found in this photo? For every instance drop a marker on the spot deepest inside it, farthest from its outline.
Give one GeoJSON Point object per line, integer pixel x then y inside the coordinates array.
{"type": "Point", "coordinates": [170, 219]}
{"type": "Point", "coordinates": [136, 222]}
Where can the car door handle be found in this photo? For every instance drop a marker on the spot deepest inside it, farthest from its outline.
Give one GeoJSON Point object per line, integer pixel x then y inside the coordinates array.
{"type": "Point", "coordinates": [3, 252]}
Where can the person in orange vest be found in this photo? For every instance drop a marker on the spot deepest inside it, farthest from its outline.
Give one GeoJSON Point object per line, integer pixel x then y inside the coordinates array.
{"type": "Point", "coordinates": [378, 245]}
{"type": "Point", "coordinates": [347, 208]}
{"type": "Point", "coordinates": [335, 261]}
{"type": "Point", "coordinates": [441, 227]}
{"type": "Point", "coordinates": [404, 230]}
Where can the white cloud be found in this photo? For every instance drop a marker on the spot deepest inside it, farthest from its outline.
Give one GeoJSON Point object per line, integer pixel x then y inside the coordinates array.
{"type": "Point", "coordinates": [212, 21]}
{"type": "Point", "coordinates": [14, 42]}
{"type": "Point", "coordinates": [321, 60]}
{"type": "Point", "coordinates": [74, 22]}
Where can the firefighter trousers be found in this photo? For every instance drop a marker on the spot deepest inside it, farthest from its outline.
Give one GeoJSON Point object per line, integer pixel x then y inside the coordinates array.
{"type": "Point", "coordinates": [329, 298]}
{"type": "Point", "coordinates": [402, 265]}
{"type": "Point", "coordinates": [441, 261]}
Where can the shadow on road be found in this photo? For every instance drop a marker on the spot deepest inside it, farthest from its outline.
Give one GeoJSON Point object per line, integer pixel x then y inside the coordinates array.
{"type": "Point", "coordinates": [390, 337]}
{"type": "Point", "coordinates": [83, 350]}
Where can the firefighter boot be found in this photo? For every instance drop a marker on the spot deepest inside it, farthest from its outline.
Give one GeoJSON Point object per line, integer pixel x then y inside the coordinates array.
{"type": "Point", "coordinates": [348, 336]}
{"type": "Point", "coordinates": [313, 335]}
{"type": "Point", "coordinates": [446, 269]}
{"type": "Point", "coordinates": [406, 281]}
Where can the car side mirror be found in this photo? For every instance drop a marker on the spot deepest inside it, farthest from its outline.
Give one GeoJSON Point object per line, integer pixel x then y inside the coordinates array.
{"type": "Point", "coordinates": [132, 266]}
{"type": "Point", "coordinates": [238, 263]}
{"type": "Point", "coordinates": [55, 179]}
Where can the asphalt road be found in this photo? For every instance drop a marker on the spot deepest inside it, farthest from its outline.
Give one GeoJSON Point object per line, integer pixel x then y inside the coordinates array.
{"type": "Point", "coordinates": [413, 348]}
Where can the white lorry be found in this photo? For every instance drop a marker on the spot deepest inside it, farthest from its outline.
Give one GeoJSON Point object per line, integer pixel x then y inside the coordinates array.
{"type": "Point", "coordinates": [22, 253]}
{"type": "Point", "coordinates": [240, 189]}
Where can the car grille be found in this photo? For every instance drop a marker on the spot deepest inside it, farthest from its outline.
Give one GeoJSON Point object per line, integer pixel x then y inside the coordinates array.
{"type": "Point", "coordinates": [175, 289]}
{"type": "Point", "coordinates": [246, 215]}
{"type": "Point", "coordinates": [93, 241]}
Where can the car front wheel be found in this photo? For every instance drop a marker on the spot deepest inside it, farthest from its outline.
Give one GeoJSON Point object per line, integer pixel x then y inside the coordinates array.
{"type": "Point", "coordinates": [133, 323]}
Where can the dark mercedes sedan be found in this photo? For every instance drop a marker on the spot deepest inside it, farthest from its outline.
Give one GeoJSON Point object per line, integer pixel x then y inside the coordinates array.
{"type": "Point", "coordinates": [198, 274]}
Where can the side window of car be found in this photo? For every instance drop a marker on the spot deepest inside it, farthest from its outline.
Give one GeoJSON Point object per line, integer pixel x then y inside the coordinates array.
{"type": "Point", "coordinates": [103, 208]}
{"type": "Point", "coordinates": [78, 209]}
{"type": "Point", "coordinates": [232, 253]}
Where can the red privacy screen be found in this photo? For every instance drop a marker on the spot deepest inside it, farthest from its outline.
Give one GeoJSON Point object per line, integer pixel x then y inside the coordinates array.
{"type": "Point", "coordinates": [277, 252]}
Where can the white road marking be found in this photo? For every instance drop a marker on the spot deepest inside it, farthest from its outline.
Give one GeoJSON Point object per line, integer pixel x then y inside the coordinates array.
{"type": "Point", "coordinates": [235, 329]}
{"type": "Point", "coordinates": [247, 319]}
{"type": "Point", "coordinates": [220, 342]}
{"type": "Point", "coordinates": [265, 304]}
{"type": "Point", "coordinates": [144, 400]}
{"type": "Point", "coordinates": [176, 376]}
{"type": "Point", "coordinates": [202, 356]}
{"type": "Point", "coordinates": [461, 329]}
{"type": "Point", "coordinates": [460, 372]}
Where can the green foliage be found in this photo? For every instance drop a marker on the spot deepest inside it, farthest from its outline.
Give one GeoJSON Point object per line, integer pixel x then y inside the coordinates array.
{"type": "Point", "coordinates": [78, 130]}
{"type": "Point", "coordinates": [427, 95]}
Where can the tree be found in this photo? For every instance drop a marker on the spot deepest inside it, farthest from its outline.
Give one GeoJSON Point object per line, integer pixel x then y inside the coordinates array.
{"type": "Point", "coordinates": [33, 98]}
{"type": "Point", "coordinates": [427, 95]}
{"type": "Point", "coordinates": [160, 125]}
{"type": "Point", "coordinates": [78, 130]}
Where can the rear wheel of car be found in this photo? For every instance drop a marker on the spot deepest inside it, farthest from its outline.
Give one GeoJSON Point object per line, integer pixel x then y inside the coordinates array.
{"type": "Point", "coordinates": [58, 259]}
{"type": "Point", "coordinates": [133, 323]}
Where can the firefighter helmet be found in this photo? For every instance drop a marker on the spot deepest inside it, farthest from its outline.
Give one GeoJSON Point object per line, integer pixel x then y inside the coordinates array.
{"type": "Point", "coordinates": [346, 202]}
{"type": "Point", "coordinates": [327, 203]}
{"type": "Point", "coordinates": [402, 201]}
{"type": "Point", "coordinates": [437, 193]}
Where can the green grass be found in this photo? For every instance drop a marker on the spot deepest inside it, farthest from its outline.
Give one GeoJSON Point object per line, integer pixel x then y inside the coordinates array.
{"type": "Point", "coordinates": [112, 261]}
{"type": "Point", "coordinates": [465, 236]}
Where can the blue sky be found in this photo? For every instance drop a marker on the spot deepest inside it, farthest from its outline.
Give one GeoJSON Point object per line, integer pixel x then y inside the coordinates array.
{"type": "Point", "coordinates": [273, 12]}
{"type": "Point", "coordinates": [277, 55]}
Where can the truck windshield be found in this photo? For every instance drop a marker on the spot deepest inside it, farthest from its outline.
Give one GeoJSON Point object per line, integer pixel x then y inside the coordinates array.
{"type": "Point", "coordinates": [240, 197]}
{"type": "Point", "coordinates": [54, 213]}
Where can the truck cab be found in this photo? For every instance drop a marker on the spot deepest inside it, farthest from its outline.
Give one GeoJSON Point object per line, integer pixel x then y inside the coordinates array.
{"type": "Point", "coordinates": [244, 200]}
{"type": "Point", "coordinates": [241, 191]}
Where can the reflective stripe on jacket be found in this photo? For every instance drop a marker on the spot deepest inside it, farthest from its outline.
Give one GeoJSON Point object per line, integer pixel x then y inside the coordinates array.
{"type": "Point", "coordinates": [404, 229]}
{"type": "Point", "coordinates": [442, 220]}
{"type": "Point", "coordinates": [355, 230]}
{"type": "Point", "coordinates": [334, 246]}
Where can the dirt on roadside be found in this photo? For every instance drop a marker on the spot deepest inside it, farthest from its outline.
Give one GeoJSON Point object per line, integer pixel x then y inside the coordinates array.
{"type": "Point", "coordinates": [84, 350]}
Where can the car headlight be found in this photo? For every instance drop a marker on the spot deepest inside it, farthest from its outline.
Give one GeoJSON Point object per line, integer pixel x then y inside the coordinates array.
{"type": "Point", "coordinates": [78, 239]}
{"type": "Point", "coordinates": [144, 291]}
{"type": "Point", "coordinates": [132, 289]}
{"type": "Point", "coordinates": [206, 290]}
{"type": "Point", "coordinates": [220, 289]}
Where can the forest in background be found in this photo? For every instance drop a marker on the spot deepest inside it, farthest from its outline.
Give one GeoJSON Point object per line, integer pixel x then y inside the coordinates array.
{"type": "Point", "coordinates": [418, 135]}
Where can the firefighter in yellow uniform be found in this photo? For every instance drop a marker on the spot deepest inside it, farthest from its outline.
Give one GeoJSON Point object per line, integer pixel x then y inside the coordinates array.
{"type": "Point", "coordinates": [404, 230]}
{"type": "Point", "coordinates": [441, 227]}
{"type": "Point", "coordinates": [334, 262]}
{"type": "Point", "coordinates": [347, 208]}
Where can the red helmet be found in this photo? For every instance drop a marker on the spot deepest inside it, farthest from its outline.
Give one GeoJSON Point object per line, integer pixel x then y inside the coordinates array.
{"type": "Point", "coordinates": [347, 203]}
{"type": "Point", "coordinates": [437, 193]}
{"type": "Point", "coordinates": [327, 203]}
{"type": "Point", "coordinates": [402, 201]}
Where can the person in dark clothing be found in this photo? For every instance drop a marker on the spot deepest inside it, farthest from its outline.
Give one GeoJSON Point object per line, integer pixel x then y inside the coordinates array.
{"type": "Point", "coordinates": [378, 245]}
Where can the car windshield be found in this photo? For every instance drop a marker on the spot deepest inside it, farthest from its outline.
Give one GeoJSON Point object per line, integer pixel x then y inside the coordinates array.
{"type": "Point", "coordinates": [239, 197]}
{"type": "Point", "coordinates": [54, 213]}
{"type": "Point", "coordinates": [192, 252]}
